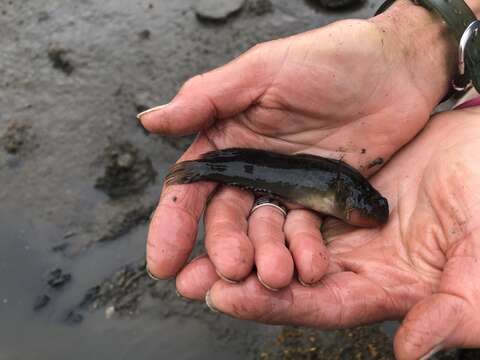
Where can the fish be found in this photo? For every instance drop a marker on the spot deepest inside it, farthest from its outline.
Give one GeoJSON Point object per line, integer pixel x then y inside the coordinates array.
{"type": "Point", "coordinates": [328, 186]}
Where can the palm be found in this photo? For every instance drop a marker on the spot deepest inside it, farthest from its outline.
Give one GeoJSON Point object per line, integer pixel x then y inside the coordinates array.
{"type": "Point", "coordinates": [351, 79]}
{"type": "Point", "coordinates": [424, 262]}
{"type": "Point", "coordinates": [431, 222]}
{"type": "Point", "coordinates": [340, 98]}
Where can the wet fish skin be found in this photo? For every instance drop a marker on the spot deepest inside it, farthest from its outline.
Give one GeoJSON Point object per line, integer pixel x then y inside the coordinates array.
{"type": "Point", "coordinates": [328, 186]}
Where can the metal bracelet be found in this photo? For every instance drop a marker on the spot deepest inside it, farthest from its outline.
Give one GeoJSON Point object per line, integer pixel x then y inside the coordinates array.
{"type": "Point", "coordinates": [470, 31]}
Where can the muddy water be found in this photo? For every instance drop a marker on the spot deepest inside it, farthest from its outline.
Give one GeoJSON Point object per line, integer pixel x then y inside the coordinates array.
{"type": "Point", "coordinates": [75, 72]}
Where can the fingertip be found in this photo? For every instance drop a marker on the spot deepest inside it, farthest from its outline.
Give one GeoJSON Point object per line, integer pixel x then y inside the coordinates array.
{"type": "Point", "coordinates": [225, 278]}
{"type": "Point", "coordinates": [166, 256]}
{"type": "Point", "coordinates": [265, 285]}
{"type": "Point", "coordinates": [242, 300]}
{"type": "Point", "coordinates": [302, 230]}
{"type": "Point", "coordinates": [250, 300]}
{"type": "Point", "coordinates": [161, 268]}
{"type": "Point", "coordinates": [311, 263]}
{"type": "Point", "coordinates": [431, 324]}
{"type": "Point", "coordinates": [194, 281]}
{"type": "Point", "coordinates": [235, 264]}
{"type": "Point", "coordinates": [274, 266]}
{"type": "Point", "coordinates": [151, 119]}
{"type": "Point", "coordinates": [226, 240]}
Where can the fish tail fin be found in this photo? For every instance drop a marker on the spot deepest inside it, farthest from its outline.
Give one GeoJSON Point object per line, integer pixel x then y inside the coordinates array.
{"type": "Point", "coordinates": [226, 154]}
{"type": "Point", "coordinates": [187, 172]}
{"type": "Point", "coordinates": [213, 166]}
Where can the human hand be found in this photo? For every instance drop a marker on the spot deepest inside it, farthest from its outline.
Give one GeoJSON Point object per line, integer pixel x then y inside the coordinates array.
{"type": "Point", "coordinates": [355, 89]}
{"type": "Point", "coordinates": [424, 265]}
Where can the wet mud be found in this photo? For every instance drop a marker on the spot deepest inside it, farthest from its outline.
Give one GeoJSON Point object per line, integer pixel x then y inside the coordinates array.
{"type": "Point", "coordinates": [79, 179]}
{"type": "Point", "coordinates": [126, 171]}
{"type": "Point", "coordinates": [17, 137]}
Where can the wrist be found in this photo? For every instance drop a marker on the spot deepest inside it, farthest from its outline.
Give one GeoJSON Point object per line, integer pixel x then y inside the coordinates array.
{"type": "Point", "coordinates": [425, 44]}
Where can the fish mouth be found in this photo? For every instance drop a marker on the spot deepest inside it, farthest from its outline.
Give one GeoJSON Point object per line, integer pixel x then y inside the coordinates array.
{"type": "Point", "coordinates": [379, 217]}
{"type": "Point", "coordinates": [357, 218]}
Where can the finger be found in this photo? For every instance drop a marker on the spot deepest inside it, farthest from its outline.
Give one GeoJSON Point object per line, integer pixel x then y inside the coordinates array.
{"type": "Point", "coordinates": [447, 319]}
{"type": "Point", "coordinates": [226, 240]}
{"type": "Point", "coordinates": [196, 278]}
{"type": "Point", "coordinates": [432, 325]}
{"type": "Point", "coordinates": [174, 225]}
{"type": "Point", "coordinates": [302, 230]}
{"type": "Point", "coordinates": [221, 93]}
{"type": "Point", "coordinates": [273, 260]}
{"type": "Point", "coordinates": [338, 300]}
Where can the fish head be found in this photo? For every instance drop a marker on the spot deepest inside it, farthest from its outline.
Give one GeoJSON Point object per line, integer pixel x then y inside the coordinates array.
{"type": "Point", "coordinates": [366, 209]}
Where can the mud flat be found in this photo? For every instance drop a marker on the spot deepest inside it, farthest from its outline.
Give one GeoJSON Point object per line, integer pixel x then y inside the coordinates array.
{"type": "Point", "coordinates": [79, 178]}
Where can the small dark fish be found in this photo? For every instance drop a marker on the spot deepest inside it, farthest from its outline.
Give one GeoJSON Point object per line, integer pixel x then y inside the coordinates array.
{"type": "Point", "coordinates": [325, 185]}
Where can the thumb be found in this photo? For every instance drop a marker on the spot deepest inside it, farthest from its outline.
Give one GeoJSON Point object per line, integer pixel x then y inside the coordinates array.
{"type": "Point", "coordinates": [438, 322]}
{"type": "Point", "coordinates": [449, 318]}
{"type": "Point", "coordinates": [220, 93]}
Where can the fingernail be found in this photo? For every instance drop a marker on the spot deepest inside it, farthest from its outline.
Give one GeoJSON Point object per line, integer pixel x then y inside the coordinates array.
{"type": "Point", "coordinates": [208, 301]}
{"type": "Point", "coordinates": [265, 285]}
{"type": "Point", "coordinates": [181, 296]}
{"type": "Point", "coordinates": [225, 278]}
{"type": "Point", "coordinates": [198, 257]}
{"type": "Point", "coordinates": [151, 275]}
{"type": "Point", "coordinates": [303, 283]}
{"type": "Point", "coordinates": [139, 116]}
{"type": "Point", "coordinates": [431, 352]}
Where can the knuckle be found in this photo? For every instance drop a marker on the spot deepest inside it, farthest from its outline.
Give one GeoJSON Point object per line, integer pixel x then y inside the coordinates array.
{"type": "Point", "coordinates": [192, 83]}
{"type": "Point", "coordinates": [232, 260]}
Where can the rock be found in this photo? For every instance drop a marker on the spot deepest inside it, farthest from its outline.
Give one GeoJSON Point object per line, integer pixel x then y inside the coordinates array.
{"type": "Point", "coordinates": [126, 160]}
{"type": "Point", "coordinates": [126, 172]}
{"type": "Point", "coordinates": [121, 294]}
{"type": "Point", "coordinates": [58, 56]}
{"type": "Point", "coordinates": [41, 302]}
{"type": "Point", "coordinates": [259, 7]}
{"type": "Point", "coordinates": [57, 279]}
{"type": "Point", "coordinates": [217, 10]}
{"type": "Point", "coordinates": [109, 312]}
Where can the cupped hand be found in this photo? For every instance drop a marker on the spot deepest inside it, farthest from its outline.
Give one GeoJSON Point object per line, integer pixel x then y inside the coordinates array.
{"type": "Point", "coordinates": [424, 265]}
{"type": "Point", "coordinates": [351, 90]}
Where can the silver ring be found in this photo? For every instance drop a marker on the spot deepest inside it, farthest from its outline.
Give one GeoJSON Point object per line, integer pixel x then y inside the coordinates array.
{"type": "Point", "coordinates": [268, 201]}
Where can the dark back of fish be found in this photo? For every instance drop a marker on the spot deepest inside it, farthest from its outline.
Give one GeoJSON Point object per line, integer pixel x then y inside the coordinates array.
{"type": "Point", "coordinates": [328, 186]}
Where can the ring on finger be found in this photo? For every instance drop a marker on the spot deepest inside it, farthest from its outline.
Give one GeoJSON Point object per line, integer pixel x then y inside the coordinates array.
{"type": "Point", "coordinates": [268, 201]}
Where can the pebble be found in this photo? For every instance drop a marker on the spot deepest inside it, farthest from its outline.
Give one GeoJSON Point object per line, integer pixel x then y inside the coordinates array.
{"type": "Point", "coordinates": [109, 312]}
{"type": "Point", "coordinates": [126, 160]}
{"type": "Point", "coordinates": [217, 10]}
